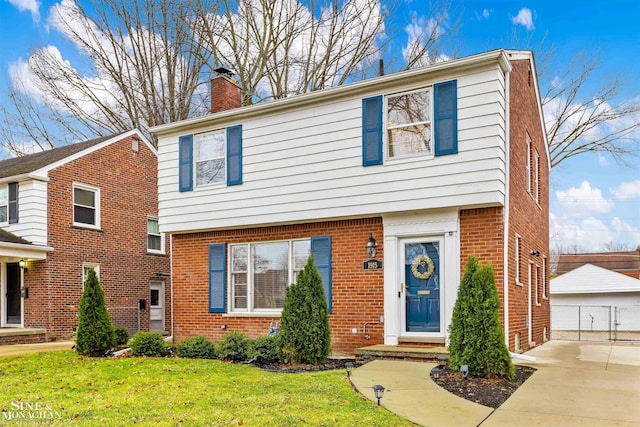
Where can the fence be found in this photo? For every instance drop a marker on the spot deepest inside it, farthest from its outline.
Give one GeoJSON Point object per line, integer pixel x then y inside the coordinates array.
{"type": "Point", "coordinates": [129, 317]}
{"type": "Point", "coordinates": [595, 322]}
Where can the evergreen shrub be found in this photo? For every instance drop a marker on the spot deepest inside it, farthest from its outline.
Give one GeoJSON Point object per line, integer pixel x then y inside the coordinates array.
{"type": "Point", "coordinates": [122, 335]}
{"type": "Point", "coordinates": [234, 346]}
{"type": "Point", "coordinates": [476, 336]}
{"type": "Point", "coordinates": [95, 334]}
{"type": "Point", "coordinates": [266, 350]}
{"type": "Point", "coordinates": [148, 344]}
{"type": "Point", "coordinates": [196, 348]}
{"type": "Point", "coordinates": [305, 336]}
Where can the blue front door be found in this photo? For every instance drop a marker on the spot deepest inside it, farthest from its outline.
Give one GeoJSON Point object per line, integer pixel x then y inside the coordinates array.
{"type": "Point", "coordinates": [422, 286]}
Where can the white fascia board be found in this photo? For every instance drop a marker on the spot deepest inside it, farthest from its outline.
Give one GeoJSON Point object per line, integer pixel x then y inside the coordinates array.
{"type": "Point", "coordinates": [376, 83]}
{"type": "Point", "coordinates": [25, 177]}
{"type": "Point", "coordinates": [44, 170]}
{"type": "Point", "coordinates": [19, 250]}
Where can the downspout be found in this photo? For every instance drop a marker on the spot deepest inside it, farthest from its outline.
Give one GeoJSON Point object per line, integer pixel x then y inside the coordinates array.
{"type": "Point", "coordinates": [171, 281]}
{"type": "Point", "coordinates": [505, 278]}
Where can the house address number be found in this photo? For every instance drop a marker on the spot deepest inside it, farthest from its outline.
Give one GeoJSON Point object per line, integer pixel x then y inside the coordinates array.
{"type": "Point", "coordinates": [372, 264]}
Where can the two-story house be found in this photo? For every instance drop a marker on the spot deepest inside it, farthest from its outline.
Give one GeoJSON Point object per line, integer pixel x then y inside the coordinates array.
{"type": "Point", "coordinates": [429, 166]}
{"type": "Point", "coordinates": [92, 204]}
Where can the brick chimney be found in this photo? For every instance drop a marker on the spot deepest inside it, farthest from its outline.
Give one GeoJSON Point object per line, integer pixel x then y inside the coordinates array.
{"type": "Point", "coordinates": [225, 91]}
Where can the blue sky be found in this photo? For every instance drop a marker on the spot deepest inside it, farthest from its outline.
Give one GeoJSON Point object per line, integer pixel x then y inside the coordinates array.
{"type": "Point", "coordinates": [594, 200]}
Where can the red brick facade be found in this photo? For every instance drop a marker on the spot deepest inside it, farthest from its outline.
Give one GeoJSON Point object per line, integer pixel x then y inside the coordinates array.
{"type": "Point", "coordinates": [128, 195]}
{"type": "Point", "coordinates": [357, 293]}
{"type": "Point", "coordinates": [528, 217]}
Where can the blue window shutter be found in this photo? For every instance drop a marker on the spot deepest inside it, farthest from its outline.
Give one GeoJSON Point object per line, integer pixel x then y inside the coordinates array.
{"type": "Point", "coordinates": [217, 278]}
{"type": "Point", "coordinates": [321, 249]}
{"type": "Point", "coordinates": [13, 203]}
{"type": "Point", "coordinates": [234, 155]}
{"type": "Point", "coordinates": [372, 131]}
{"type": "Point", "coordinates": [185, 160]}
{"type": "Point", "coordinates": [445, 97]}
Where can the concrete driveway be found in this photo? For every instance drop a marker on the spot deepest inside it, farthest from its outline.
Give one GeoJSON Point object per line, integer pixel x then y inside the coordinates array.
{"type": "Point", "coordinates": [577, 384]}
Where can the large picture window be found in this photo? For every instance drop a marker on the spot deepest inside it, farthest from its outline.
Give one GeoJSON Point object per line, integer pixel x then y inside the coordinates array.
{"type": "Point", "coordinates": [210, 157]}
{"type": "Point", "coordinates": [261, 272]}
{"type": "Point", "coordinates": [409, 124]}
{"type": "Point", "coordinates": [86, 206]}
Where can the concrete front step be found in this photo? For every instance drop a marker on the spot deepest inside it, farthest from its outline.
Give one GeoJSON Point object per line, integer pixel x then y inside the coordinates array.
{"type": "Point", "coordinates": [405, 352]}
{"type": "Point", "coordinates": [22, 336]}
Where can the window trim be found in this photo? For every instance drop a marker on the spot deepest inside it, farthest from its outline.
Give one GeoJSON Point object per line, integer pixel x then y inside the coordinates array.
{"type": "Point", "coordinates": [5, 187]}
{"type": "Point", "coordinates": [250, 310]}
{"type": "Point", "coordinates": [537, 283]}
{"type": "Point", "coordinates": [88, 265]}
{"type": "Point", "coordinates": [196, 152]}
{"type": "Point", "coordinates": [536, 176]}
{"type": "Point", "coordinates": [160, 251]}
{"type": "Point", "coordinates": [528, 164]}
{"type": "Point", "coordinates": [385, 125]}
{"type": "Point", "coordinates": [96, 191]}
{"type": "Point", "coordinates": [517, 250]}
{"type": "Point", "coordinates": [544, 278]}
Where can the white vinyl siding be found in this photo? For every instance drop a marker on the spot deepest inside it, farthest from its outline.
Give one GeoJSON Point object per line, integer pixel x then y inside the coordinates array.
{"type": "Point", "coordinates": [4, 203]}
{"type": "Point", "coordinates": [32, 211]}
{"type": "Point", "coordinates": [305, 164]}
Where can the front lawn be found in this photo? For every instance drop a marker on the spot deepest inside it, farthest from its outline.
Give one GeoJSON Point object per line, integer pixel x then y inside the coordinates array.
{"type": "Point", "coordinates": [72, 389]}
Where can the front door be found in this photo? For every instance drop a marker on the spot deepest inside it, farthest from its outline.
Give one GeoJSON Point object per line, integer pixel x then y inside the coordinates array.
{"type": "Point", "coordinates": [13, 296]}
{"type": "Point", "coordinates": [422, 273]}
{"type": "Point", "coordinates": [156, 306]}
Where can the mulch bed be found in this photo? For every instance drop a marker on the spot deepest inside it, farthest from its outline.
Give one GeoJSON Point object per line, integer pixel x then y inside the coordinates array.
{"type": "Point", "coordinates": [491, 392]}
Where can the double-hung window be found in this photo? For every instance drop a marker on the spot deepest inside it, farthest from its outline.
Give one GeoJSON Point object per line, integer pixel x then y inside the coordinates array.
{"type": "Point", "coordinates": [261, 272]}
{"type": "Point", "coordinates": [9, 203]}
{"type": "Point", "coordinates": [418, 123]}
{"type": "Point", "coordinates": [210, 158]}
{"type": "Point", "coordinates": [409, 124]}
{"type": "Point", "coordinates": [86, 206]}
{"type": "Point", "coordinates": [154, 238]}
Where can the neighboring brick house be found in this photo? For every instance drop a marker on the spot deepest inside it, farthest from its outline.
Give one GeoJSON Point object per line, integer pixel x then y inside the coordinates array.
{"type": "Point", "coordinates": [435, 164]}
{"type": "Point", "coordinates": [627, 262]}
{"type": "Point", "coordinates": [92, 204]}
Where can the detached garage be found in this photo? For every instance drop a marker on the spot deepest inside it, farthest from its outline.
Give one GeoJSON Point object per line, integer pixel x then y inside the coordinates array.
{"type": "Point", "coordinates": [591, 302]}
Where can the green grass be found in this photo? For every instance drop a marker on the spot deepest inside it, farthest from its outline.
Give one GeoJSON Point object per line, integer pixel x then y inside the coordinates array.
{"type": "Point", "coordinates": [170, 392]}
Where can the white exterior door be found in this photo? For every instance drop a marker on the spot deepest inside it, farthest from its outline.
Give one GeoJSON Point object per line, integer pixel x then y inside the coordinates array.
{"type": "Point", "coordinates": [156, 306]}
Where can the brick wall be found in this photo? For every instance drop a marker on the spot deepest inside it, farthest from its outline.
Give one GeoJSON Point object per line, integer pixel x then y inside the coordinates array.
{"type": "Point", "coordinates": [128, 194]}
{"type": "Point", "coordinates": [528, 218]}
{"type": "Point", "coordinates": [357, 293]}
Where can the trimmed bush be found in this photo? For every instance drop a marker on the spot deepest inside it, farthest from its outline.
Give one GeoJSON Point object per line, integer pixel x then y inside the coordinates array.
{"type": "Point", "coordinates": [196, 348]}
{"type": "Point", "coordinates": [95, 333]}
{"type": "Point", "coordinates": [122, 335]}
{"type": "Point", "coordinates": [266, 350]}
{"type": "Point", "coordinates": [148, 344]}
{"type": "Point", "coordinates": [476, 337]}
{"type": "Point", "coordinates": [305, 336]}
{"type": "Point", "coordinates": [234, 346]}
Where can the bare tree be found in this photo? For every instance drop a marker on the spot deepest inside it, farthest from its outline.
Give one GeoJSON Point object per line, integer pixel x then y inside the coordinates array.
{"type": "Point", "coordinates": [579, 121]}
{"type": "Point", "coordinates": [148, 61]}
{"type": "Point", "coordinates": [142, 71]}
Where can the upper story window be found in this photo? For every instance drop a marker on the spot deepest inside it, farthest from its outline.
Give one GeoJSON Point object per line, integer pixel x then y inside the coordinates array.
{"type": "Point", "coordinates": [409, 124]}
{"type": "Point", "coordinates": [210, 158]}
{"type": "Point", "coordinates": [423, 122]}
{"type": "Point", "coordinates": [261, 272]}
{"type": "Point", "coordinates": [86, 206]}
{"type": "Point", "coordinates": [9, 203]}
{"type": "Point", "coordinates": [154, 238]}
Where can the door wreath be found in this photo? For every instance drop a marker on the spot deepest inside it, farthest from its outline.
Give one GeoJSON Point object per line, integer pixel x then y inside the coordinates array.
{"type": "Point", "coordinates": [422, 260]}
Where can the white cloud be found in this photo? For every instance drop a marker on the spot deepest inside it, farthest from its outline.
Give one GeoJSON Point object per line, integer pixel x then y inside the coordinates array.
{"type": "Point", "coordinates": [590, 234]}
{"type": "Point", "coordinates": [627, 190]}
{"type": "Point", "coordinates": [583, 201]}
{"type": "Point", "coordinates": [602, 160]}
{"type": "Point", "coordinates": [524, 18]}
{"type": "Point", "coordinates": [484, 15]}
{"type": "Point", "coordinates": [32, 6]}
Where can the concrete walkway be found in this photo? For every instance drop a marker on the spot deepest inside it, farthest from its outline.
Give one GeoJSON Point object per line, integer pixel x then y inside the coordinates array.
{"type": "Point", "coordinates": [576, 384]}
{"type": "Point", "coordinates": [14, 349]}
